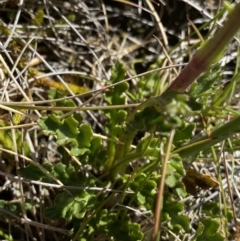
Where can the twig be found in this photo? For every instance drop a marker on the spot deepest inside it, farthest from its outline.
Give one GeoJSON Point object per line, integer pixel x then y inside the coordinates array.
{"type": "Point", "coordinates": [155, 234]}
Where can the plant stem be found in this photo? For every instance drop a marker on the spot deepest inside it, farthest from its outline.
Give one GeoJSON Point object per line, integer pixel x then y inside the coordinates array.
{"type": "Point", "coordinates": [208, 53]}
{"type": "Point", "coordinates": [218, 135]}
{"type": "Point", "coordinates": [155, 234]}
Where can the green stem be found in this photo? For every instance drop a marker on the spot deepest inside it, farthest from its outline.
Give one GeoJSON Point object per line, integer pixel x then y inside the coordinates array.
{"type": "Point", "coordinates": [123, 150]}
{"type": "Point", "coordinates": [218, 135]}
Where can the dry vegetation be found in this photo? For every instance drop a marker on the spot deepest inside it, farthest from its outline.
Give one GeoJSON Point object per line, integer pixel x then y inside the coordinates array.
{"type": "Point", "coordinates": [72, 46]}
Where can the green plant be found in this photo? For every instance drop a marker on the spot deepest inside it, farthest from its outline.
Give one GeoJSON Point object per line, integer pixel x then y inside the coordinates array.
{"type": "Point", "coordinates": [133, 181]}
{"type": "Point", "coordinates": [94, 215]}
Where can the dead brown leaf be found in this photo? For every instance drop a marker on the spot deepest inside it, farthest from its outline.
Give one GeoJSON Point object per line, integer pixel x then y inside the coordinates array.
{"type": "Point", "coordinates": [194, 180]}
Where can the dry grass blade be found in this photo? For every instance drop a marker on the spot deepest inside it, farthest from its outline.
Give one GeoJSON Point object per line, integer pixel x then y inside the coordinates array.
{"type": "Point", "coordinates": [159, 202]}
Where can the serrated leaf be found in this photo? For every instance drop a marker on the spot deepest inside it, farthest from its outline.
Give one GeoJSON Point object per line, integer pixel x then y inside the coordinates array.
{"type": "Point", "coordinates": [78, 117]}
{"type": "Point", "coordinates": [149, 143]}
{"type": "Point", "coordinates": [117, 94]}
{"type": "Point", "coordinates": [149, 188]}
{"type": "Point", "coordinates": [185, 133]}
{"type": "Point", "coordinates": [208, 230]}
{"type": "Point", "coordinates": [176, 164]}
{"type": "Point", "coordinates": [31, 172]}
{"type": "Point", "coordinates": [61, 208]}
{"type": "Point", "coordinates": [180, 190]}
{"type": "Point", "coordinates": [60, 170]}
{"type": "Point", "coordinates": [96, 144]}
{"type": "Point", "coordinates": [67, 206]}
{"type": "Point", "coordinates": [211, 208]}
{"type": "Point", "coordinates": [67, 131]}
{"type": "Point", "coordinates": [118, 73]}
{"type": "Point", "coordinates": [150, 185]}
{"type": "Point", "coordinates": [175, 171]}
{"type": "Point", "coordinates": [85, 136]}
{"type": "Point", "coordinates": [138, 182]}
{"type": "Point", "coordinates": [173, 210]}
{"type": "Point", "coordinates": [172, 180]}
{"type": "Point", "coordinates": [49, 124]}
{"type": "Point", "coordinates": [54, 94]}
{"type": "Point", "coordinates": [76, 151]}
